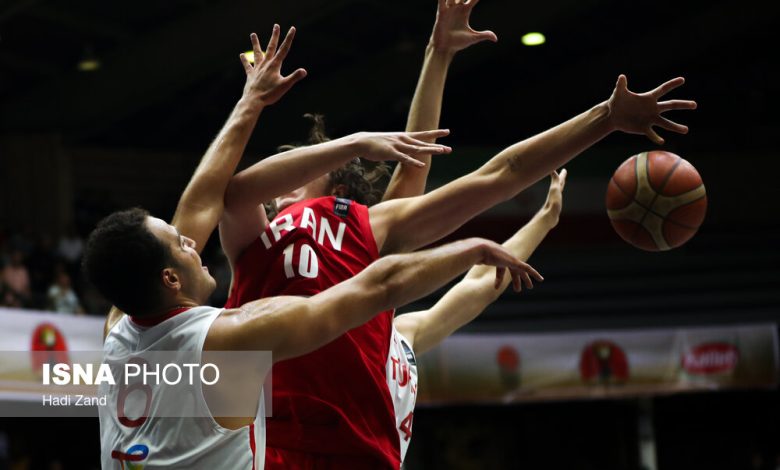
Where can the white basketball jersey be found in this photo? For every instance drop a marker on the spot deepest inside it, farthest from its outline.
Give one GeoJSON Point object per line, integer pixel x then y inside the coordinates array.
{"type": "Point", "coordinates": [173, 443]}
{"type": "Point", "coordinates": [402, 381]}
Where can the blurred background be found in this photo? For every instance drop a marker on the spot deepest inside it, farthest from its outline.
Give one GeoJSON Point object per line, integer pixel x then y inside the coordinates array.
{"type": "Point", "coordinates": [109, 105]}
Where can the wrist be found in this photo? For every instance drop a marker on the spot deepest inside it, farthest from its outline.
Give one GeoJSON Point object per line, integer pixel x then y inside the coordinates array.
{"type": "Point", "coordinates": [604, 112]}
{"type": "Point", "coordinates": [476, 249]}
{"type": "Point", "coordinates": [548, 216]}
{"type": "Point", "coordinates": [251, 102]}
{"type": "Point", "coordinates": [354, 144]}
{"type": "Point", "coordinates": [435, 50]}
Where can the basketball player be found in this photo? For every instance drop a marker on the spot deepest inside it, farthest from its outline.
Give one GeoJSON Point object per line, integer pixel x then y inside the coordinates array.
{"type": "Point", "coordinates": [319, 239]}
{"type": "Point", "coordinates": [147, 268]}
{"type": "Point", "coordinates": [167, 313]}
{"type": "Point", "coordinates": [201, 204]}
{"type": "Point", "coordinates": [417, 332]}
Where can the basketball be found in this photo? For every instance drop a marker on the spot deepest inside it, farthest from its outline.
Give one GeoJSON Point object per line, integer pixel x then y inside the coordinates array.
{"type": "Point", "coordinates": [656, 201]}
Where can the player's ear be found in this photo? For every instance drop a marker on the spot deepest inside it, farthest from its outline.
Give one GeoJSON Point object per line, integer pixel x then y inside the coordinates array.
{"type": "Point", "coordinates": [340, 190]}
{"type": "Point", "coordinates": [171, 280]}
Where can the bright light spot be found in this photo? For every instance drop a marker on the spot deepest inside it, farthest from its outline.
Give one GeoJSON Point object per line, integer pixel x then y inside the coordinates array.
{"type": "Point", "coordinates": [533, 39]}
{"type": "Point", "coordinates": [250, 55]}
{"type": "Point", "coordinates": [88, 65]}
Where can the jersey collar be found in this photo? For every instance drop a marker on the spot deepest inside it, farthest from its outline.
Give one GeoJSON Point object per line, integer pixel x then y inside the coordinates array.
{"type": "Point", "coordinates": [154, 321]}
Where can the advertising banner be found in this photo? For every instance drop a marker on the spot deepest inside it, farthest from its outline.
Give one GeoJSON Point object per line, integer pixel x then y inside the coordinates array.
{"type": "Point", "coordinates": [466, 368]}
{"type": "Point", "coordinates": [496, 368]}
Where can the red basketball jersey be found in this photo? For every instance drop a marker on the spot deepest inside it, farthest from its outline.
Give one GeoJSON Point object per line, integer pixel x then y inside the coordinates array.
{"type": "Point", "coordinates": [334, 400]}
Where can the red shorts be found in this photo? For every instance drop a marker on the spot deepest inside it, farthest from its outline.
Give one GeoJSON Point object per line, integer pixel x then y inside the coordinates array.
{"type": "Point", "coordinates": [282, 459]}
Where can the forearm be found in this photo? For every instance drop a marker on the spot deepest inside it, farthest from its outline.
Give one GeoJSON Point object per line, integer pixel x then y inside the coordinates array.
{"type": "Point", "coordinates": [288, 171]}
{"type": "Point", "coordinates": [424, 114]}
{"type": "Point", "coordinates": [396, 280]}
{"type": "Point", "coordinates": [443, 210]}
{"type": "Point", "coordinates": [471, 296]}
{"type": "Point", "coordinates": [408, 277]}
{"type": "Point", "coordinates": [290, 326]}
{"type": "Point", "coordinates": [524, 163]}
{"type": "Point", "coordinates": [201, 204]}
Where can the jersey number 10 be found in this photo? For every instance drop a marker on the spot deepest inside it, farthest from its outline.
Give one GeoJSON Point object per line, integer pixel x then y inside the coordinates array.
{"type": "Point", "coordinates": [308, 266]}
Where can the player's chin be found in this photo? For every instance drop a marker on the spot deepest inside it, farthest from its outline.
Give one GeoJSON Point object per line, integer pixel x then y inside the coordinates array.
{"type": "Point", "coordinates": [211, 283]}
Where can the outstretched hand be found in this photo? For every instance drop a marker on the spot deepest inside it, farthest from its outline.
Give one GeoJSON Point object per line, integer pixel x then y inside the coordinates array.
{"type": "Point", "coordinates": [404, 147]}
{"type": "Point", "coordinates": [264, 80]}
{"type": "Point", "coordinates": [452, 32]}
{"type": "Point", "coordinates": [521, 272]}
{"type": "Point", "coordinates": [637, 113]}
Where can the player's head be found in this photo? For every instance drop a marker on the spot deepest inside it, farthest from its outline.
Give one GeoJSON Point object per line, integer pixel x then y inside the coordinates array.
{"type": "Point", "coordinates": [358, 180]}
{"type": "Point", "coordinates": [143, 265]}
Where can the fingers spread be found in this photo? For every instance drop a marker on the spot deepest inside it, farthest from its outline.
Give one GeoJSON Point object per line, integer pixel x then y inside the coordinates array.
{"type": "Point", "coordinates": [667, 87]}
{"type": "Point", "coordinates": [290, 80]}
{"type": "Point", "coordinates": [404, 158]}
{"type": "Point", "coordinates": [245, 62]}
{"type": "Point", "coordinates": [533, 272]}
{"type": "Point", "coordinates": [271, 52]}
{"type": "Point", "coordinates": [676, 104]}
{"type": "Point", "coordinates": [486, 35]}
{"type": "Point", "coordinates": [622, 82]}
{"type": "Point", "coordinates": [671, 125]}
{"type": "Point", "coordinates": [429, 135]}
{"type": "Point", "coordinates": [256, 48]}
{"type": "Point", "coordinates": [527, 280]}
{"type": "Point", "coordinates": [651, 134]}
{"type": "Point", "coordinates": [297, 75]}
{"type": "Point", "coordinates": [422, 148]}
{"type": "Point", "coordinates": [285, 47]}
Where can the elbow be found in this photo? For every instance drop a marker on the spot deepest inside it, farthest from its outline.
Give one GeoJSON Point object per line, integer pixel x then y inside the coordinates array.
{"type": "Point", "coordinates": [505, 179]}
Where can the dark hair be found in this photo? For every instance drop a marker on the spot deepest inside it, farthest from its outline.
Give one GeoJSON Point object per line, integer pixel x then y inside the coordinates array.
{"type": "Point", "coordinates": [362, 178]}
{"type": "Point", "coordinates": [123, 259]}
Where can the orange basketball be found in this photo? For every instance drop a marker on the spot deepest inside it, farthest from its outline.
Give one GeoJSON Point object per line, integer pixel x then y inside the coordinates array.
{"type": "Point", "coordinates": [656, 201]}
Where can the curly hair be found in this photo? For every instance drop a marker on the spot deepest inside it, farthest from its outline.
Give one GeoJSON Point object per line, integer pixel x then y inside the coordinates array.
{"type": "Point", "coordinates": [363, 180]}
{"type": "Point", "coordinates": [123, 260]}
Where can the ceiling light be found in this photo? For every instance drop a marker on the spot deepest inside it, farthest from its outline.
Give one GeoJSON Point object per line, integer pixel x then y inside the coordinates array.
{"type": "Point", "coordinates": [533, 39]}
{"type": "Point", "coordinates": [88, 65]}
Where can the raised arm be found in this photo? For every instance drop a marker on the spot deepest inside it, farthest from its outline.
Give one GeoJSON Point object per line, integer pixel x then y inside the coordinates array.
{"type": "Point", "coordinates": [200, 206]}
{"type": "Point", "coordinates": [451, 33]}
{"type": "Point", "coordinates": [471, 296]}
{"type": "Point", "coordinates": [292, 326]}
{"type": "Point", "coordinates": [202, 202]}
{"type": "Point", "coordinates": [244, 218]}
{"type": "Point", "coordinates": [439, 212]}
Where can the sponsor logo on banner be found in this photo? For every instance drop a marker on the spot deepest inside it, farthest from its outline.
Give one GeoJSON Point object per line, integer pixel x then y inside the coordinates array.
{"type": "Point", "coordinates": [48, 338]}
{"type": "Point", "coordinates": [711, 358]}
{"type": "Point", "coordinates": [603, 362]}
{"type": "Point", "coordinates": [508, 360]}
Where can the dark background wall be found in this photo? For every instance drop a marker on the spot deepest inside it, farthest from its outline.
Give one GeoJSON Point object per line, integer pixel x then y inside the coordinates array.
{"type": "Point", "coordinates": [76, 145]}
